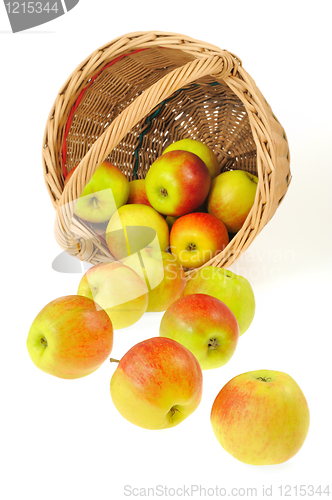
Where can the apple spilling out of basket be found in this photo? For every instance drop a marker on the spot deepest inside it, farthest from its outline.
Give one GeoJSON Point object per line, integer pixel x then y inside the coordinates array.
{"type": "Point", "coordinates": [259, 417]}
{"type": "Point", "coordinates": [184, 187]}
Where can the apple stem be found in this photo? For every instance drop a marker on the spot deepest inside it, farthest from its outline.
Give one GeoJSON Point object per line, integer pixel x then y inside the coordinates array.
{"type": "Point", "coordinates": [173, 410]}
{"type": "Point", "coordinates": [213, 344]}
{"type": "Point", "coordinates": [112, 360]}
{"type": "Point", "coordinates": [95, 204]}
{"type": "Point", "coordinates": [263, 379]}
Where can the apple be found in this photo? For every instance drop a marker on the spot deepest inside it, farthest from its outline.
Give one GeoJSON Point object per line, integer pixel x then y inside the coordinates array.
{"type": "Point", "coordinates": [157, 384]}
{"type": "Point", "coordinates": [235, 291]}
{"type": "Point", "coordinates": [261, 417]}
{"type": "Point", "coordinates": [70, 337]}
{"type": "Point", "coordinates": [231, 198]}
{"type": "Point", "coordinates": [69, 175]}
{"type": "Point", "coordinates": [200, 149]}
{"type": "Point", "coordinates": [177, 183]}
{"type": "Point", "coordinates": [170, 221]}
{"type": "Point", "coordinates": [205, 326]}
{"type": "Point", "coordinates": [196, 238]}
{"type": "Point", "coordinates": [118, 290]}
{"type": "Point", "coordinates": [137, 193]}
{"type": "Point", "coordinates": [135, 227]}
{"type": "Point", "coordinates": [165, 278]}
{"type": "Point", "coordinates": [107, 190]}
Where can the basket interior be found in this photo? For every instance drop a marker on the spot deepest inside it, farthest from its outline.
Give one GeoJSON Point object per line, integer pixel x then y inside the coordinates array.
{"type": "Point", "coordinates": [206, 110]}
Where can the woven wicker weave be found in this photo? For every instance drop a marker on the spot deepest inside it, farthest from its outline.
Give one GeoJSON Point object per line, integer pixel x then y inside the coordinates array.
{"type": "Point", "coordinates": [134, 96]}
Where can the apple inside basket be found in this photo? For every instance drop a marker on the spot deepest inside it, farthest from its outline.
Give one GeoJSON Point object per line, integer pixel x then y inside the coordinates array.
{"type": "Point", "coordinates": [127, 106]}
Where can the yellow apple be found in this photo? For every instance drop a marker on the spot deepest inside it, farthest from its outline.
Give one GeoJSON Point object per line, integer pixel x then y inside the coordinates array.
{"type": "Point", "coordinates": [157, 384]}
{"type": "Point", "coordinates": [261, 417]}
{"type": "Point", "coordinates": [118, 290]}
{"type": "Point", "coordinates": [70, 337]}
{"type": "Point", "coordinates": [200, 149]}
{"type": "Point", "coordinates": [135, 227]}
{"type": "Point", "coordinates": [107, 190]}
{"type": "Point", "coordinates": [165, 278]}
{"type": "Point", "coordinates": [231, 198]}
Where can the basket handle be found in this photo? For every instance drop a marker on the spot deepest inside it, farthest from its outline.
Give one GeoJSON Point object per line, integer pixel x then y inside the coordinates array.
{"type": "Point", "coordinates": [220, 66]}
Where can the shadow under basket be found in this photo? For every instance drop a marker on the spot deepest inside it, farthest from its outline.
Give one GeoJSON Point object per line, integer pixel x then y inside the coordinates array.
{"type": "Point", "coordinates": [136, 95]}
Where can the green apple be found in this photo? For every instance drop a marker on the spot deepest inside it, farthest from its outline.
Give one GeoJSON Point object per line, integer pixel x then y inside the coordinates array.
{"type": "Point", "coordinates": [205, 326]}
{"type": "Point", "coordinates": [177, 183]}
{"type": "Point", "coordinates": [231, 198]}
{"type": "Point", "coordinates": [157, 384]}
{"type": "Point", "coordinates": [261, 417]}
{"type": "Point", "coordinates": [235, 291]}
{"type": "Point", "coordinates": [70, 337]}
{"type": "Point", "coordinates": [135, 227]}
{"type": "Point", "coordinates": [118, 289]}
{"type": "Point", "coordinates": [200, 149]}
{"type": "Point", "coordinates": [107, 190]}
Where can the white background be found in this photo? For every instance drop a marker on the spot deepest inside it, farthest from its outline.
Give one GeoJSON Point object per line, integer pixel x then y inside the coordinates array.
{"type": "Point", "coordinates": [64, 439]}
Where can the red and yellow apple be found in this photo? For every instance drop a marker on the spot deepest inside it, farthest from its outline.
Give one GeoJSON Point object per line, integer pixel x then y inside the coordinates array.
{"type": "Point", "coordinates": [157, 384]}
{"type": "Point", "coordinates": [107, 190]}
{"type": "Point", "coordinates": [165, 278]}
{"type": "Point", "coordinates": [70, 173]}
{"type": "Point", "coordinates": [135, 227]}
{"type": "Point", "coordinates": [200, 149]}
{"type": "Point", "coordinates": [118, 290]}
{"type": "Point", "coordinates": [70, 337]}
{"type": "Point", "coordinates": [205, 325]}
{"type": "Point", "coordinates": [137, 193]}
{"type": "Point", "coordinates": [196, 238]}
{"type": "Point", "coordinates": [177, 183]}
{"type": "Point", "coordinates": [261, 417]}
{"type": "Point", "coordinates": [231, 198]}
{"type": "Point", "coordinates": [235, 291]}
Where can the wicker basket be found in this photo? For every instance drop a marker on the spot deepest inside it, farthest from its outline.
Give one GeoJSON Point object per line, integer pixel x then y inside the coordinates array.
{"type": "Point", "coordinates": [130, 99]}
